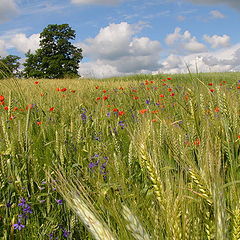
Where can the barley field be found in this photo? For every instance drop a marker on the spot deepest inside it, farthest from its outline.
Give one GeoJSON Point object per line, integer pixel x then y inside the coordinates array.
{"type": "Point", "coordinates": [138, 157]}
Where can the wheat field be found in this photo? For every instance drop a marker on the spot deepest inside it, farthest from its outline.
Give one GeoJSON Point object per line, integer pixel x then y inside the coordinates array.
{"type": "Point", "coordinates": [136, 157]}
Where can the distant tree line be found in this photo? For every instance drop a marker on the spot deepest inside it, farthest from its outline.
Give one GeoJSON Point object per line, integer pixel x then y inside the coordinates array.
{"type": "Point", "coordinates": [56, 56]}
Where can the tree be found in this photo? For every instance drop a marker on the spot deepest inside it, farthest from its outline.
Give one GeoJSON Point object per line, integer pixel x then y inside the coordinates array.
{"type": "Point", "coordinates": [9, 66]}
{"type": "Point", "coordinates": [57, 57]}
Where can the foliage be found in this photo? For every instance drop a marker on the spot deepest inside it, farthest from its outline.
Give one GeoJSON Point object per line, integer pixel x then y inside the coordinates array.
{"type": "Point", "coordinates": [140, 157]}
{"type": "Point", "coordinates": [57, 57]}
{"type": "Point", "coordinates": [9, 66]}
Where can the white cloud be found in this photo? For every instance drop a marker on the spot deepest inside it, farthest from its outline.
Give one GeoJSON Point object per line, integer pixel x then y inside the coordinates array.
{"type": "Point", "coordinates": [96, 2]}
{"type": "Point", "coordinates": [3, 48]}
{"type": "Point", "coordinates": [116, 50]}
{"type": "Point", "coordinates": [98, 69]}
{"type": "Point", "coordinates": [184, 41]}
{"type": "Point", "coordinates": [8, 9]}
{"type": "Point", "coordinates": [231, 3]}
{"type": "Point", "coordinates": [23, 43]}
{"type": "Point", "coordinates": [217, 41]}
{"type": "Point", "coordinates": [227, 59]}
{"type": "Point", "coordinates": [217, 14]}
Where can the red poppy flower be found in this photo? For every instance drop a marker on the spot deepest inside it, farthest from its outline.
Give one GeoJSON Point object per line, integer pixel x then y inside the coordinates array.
{"type": "Point", "coordinates": [37, 82]}
{"type": "Point", "coordinates": [2, 103]}
{"type": "Point", "coordinates": [169, 78]}
{"type": "Point", "coordinates": [121, 88]}
{"type": "Point", "coordinates": [12, 117]}
{"type": "Point", "coordinates": [161, 95]}
{"type": "Point", "coordinates": [143, 111]}
{"type": "Point", "coordinates": [98, 98]}
{"type": "Point", "coordinates": [51, 109]}
{"type": "Point", "coordinates": [2, 98]}
{"type": "Point", "coordinates": [156, 111]}
{"type": "Point", "coordinates": [29, 106]}
{"type": "Point", "coordinates": [97, 87]}
{"type": "Point", "coordinates": [210, 84]}
{"type": "Point", "coordinates": [164, 84]}
{"type": "Point", "coordinates": [39, 123]}
{"type": "Point", "coordinates": [6, 108]}
{"type": "Point", "coordinates": [169, 89]}
{"type": "Point", "coordinates": [147, 88]}
{"type": "Point", "coordinates": [15, 108]}
{"type": "Point", "coordinates": [73, 91]}
{"type": "Point", "coordinates": [154, 120]}
{"type": "Point", "coordinates": [151, 81]}
{"type": "Point", "coordinates": [63, 90]}
{"type": "Point", "coordinates": [135, 98]}
{"type": "Point", "coordinates": [105, 98]}
{"type": "Point", "coordinates": [120, 113]}
{"type": "Point", "coordinates": [212, 90]}
{"type": "Point", "coordinates": [41, 94]}
{"type": "Point", "coordinates": [172, 94]}
{"type": "Point", "coordinates": [115, 110]}
{"type": "Point", "coordinates": [217, 109]}
{"type": "Point", "coordinates": [104, 91]}
{"type": "Point", "coordinates": [238, 87]}
{"type": "Point", "coordinates": [58, 89]}
{"type": "Point", "coordinates": [134, 90]}
{"type": "Point", "coordinates": [197, 142]}
{"type": "Point", "coordinates": [238, 136]}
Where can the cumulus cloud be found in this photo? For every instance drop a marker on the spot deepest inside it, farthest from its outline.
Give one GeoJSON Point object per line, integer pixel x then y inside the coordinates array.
{"type": "Point", "coordinates": [184, 41]}
{"type": "Point", "coordinates": [8, 9]}
{"type": "Point", "coordinates": [216, 14]}
{"type": "Point", "coordinates": [116, 50]}
{"type": "Point", "coordinates": [217, 41]}
{"type": "Point", "coordinates": [231, 3]}
{"type": "Point", "coordinates": [96, 2]}
{"type": "Point", "coordinates": [227, 59]}
{"type": "Point", "coordinates": [23, 43]}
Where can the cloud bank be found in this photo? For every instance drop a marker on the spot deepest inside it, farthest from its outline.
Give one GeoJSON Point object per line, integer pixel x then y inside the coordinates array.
{"type": "Point", "coordinates": [8, 9]}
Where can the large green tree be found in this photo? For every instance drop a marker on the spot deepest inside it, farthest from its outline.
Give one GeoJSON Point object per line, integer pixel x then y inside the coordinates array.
{"type": "Point", "coordinates": [57, 57]}
{"type": "Point", "coordinates": [9, 66]}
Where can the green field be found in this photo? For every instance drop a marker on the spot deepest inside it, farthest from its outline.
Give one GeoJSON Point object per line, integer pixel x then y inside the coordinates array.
{"type": "Point", "coordinates": [138, 157]}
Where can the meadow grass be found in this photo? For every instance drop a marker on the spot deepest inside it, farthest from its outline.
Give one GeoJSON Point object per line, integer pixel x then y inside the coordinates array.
{"type": "Point", "coordinates": [136, 157]}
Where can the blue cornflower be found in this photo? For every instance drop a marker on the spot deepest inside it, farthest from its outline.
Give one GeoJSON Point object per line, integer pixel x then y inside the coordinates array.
{"type": "Point", "coordinates": [147, 101]}
{"type": "Point", "coordinates": [18, 226]}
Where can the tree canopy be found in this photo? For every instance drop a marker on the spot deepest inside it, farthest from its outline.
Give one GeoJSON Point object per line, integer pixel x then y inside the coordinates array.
{"type": "Point", "coordinates": [56, 57]}
{"type": "Point", "coordinates": [9, 66]}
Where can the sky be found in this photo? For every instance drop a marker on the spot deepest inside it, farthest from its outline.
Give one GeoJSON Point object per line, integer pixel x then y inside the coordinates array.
{"type": "Point", "coordinates": [122, 37]}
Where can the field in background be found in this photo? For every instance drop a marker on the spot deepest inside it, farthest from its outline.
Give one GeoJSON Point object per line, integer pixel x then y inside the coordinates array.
{"type": "Point", "coordinates": [138, 157]}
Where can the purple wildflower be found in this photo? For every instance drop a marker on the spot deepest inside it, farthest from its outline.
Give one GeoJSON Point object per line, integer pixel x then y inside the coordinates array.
{"type": "Point", "coordinates": [65, 233]}
{"type": "Point", "coordinates": [147, 101]}
{"type": "Point", "coordinates": [18, 226]}
{"type": "Point", "coordinates": [59, 201]}
{"type": "Point", "coordinates": [8, 204]}
{"type": "Point", "coordinates": [27, 209]}
{"type": "Point", "coordinates": [22, 202]}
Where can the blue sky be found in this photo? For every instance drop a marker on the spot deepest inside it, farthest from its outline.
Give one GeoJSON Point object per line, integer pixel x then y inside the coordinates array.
{"type": "Point", "coordinates": [120, 37]}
